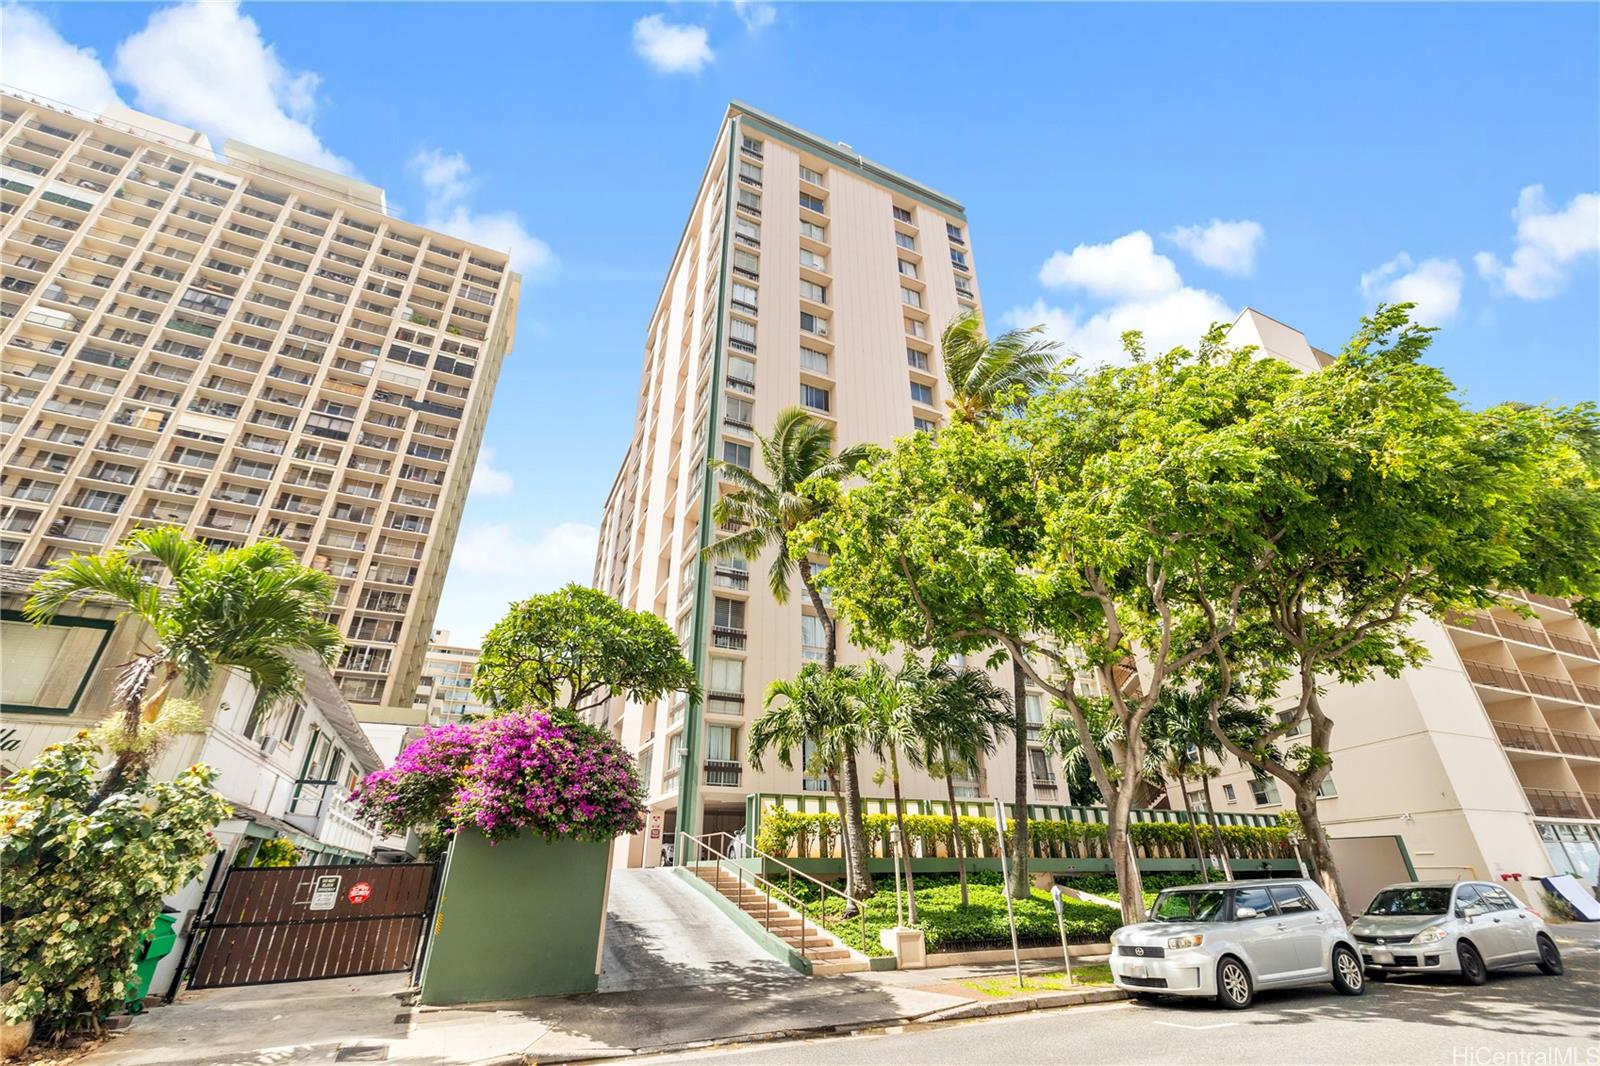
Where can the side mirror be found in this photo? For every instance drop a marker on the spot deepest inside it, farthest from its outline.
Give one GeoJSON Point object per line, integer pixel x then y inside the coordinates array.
{"type": "Point", "coordinates": [1245, 912]}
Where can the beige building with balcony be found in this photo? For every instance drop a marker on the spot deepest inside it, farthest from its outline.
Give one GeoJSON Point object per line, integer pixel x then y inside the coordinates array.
{"type": "Point", "coordinates": [1485, 761]}
{"type": "Point", "coordinates": [445, 692]}
{"type": "Point", "coordinates": [805, 275]}
{"type": "Point", "coordinates": [242, 346]}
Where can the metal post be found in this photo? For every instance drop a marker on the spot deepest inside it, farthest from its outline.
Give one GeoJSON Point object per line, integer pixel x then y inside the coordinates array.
{"type": "Point", "coordinates": [1005, 880]}
{"type": "Point", "coordinates": [894, 844]}
{"type": "Point", "coordinates": [1061, 927]}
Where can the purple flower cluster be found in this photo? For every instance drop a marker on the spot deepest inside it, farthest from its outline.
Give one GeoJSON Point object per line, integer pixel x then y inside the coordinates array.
{"type": "Point", "coordinates": [507, 774]}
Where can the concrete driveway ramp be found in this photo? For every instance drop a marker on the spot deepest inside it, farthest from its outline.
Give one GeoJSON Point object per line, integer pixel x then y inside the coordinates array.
{"type": "Point", "coordinates": [661, 933]}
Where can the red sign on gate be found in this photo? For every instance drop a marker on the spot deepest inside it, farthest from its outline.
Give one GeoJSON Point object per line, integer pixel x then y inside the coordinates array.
{"type": "Point", "coordinates": [360, 892]}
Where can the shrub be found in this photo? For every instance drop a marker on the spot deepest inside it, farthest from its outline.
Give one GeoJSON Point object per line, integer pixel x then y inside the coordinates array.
{"type": "Point", "coordinates": [276, 852]}
{"type": "Point", "coordinates": [82, 886]}
{"type": "Point", "coordinates": [506, 774]}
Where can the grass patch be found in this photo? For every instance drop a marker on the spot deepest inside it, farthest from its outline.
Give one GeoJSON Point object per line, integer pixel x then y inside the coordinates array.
{"type": "Point", "coordinates": [948, 926]}
{"type": "Point", "coordinates": [1082, 976]}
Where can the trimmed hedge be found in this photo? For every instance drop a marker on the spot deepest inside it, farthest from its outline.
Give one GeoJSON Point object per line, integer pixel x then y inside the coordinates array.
{"type": "Point", "coordinates": [793, 834]}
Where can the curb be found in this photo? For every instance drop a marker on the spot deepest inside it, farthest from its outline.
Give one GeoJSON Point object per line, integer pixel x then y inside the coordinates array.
{"type": "Point", "coordinates": [1023, 1004]}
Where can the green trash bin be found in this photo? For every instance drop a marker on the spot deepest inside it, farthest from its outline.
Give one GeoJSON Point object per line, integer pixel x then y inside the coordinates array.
{"type": "Point", "coordinates": [158, 944]}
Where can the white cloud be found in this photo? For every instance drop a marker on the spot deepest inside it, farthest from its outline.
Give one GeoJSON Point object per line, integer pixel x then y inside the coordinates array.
{"type": "Point", "coordinates": [39, 61]}
{"type": "Point", "coordinates": [755, 15]}
{"type": "Point", "coordinates": [1549, 241]}
{"type": "Point", "coordinates": [671, 48]}
{"type": "Point", "coordinates": [1226, 246]}
{"type": "Point", "coordinates": [1434, 285]}
{"type": "Point", "coordinates": [1126, 268]}
{"type": "Point", "coordinates": [205, 65]}
{"type": "Point", "coordinates": [488, 479]}
{"type": "Point", "coordinates": [1168, 320]}
{"type": "Point", "coordinates": [447, 178]}
{"type": "Point", "coordinates": [495, 565]}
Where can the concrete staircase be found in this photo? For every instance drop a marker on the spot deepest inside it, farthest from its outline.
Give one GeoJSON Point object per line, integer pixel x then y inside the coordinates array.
{"type": "Point", "coordinates": [826, 954]}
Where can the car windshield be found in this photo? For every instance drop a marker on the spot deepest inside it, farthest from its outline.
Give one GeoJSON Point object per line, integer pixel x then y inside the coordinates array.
{"type": "Point", "coordinates": [1410, 901]}
{"type": "Point", "coordinates": [1199, 905]}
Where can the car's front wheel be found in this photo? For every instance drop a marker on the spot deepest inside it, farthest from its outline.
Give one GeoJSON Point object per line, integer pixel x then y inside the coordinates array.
{"type": "Point", "coordinates": [1473, 971]}
{"type": "Point", "coordinates": [1234, 987]}
{"type": "Point", "coordinates": [1550, 957]}
{"type": "Point", "coordinates": [1348, 979]}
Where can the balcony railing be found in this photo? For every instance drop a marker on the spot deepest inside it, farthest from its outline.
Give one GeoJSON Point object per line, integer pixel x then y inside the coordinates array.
{"type": "Point", "coordinates": [1575, 646]}
{"type": "Point", "coordinates": [723, 773]}
{"type": "Point", "coordinates": [1490, 674]}
{"type": "Point", "coordinates": [727, 637]}
{"type": "Point", "coordinates": [1553, 804]}
{"type": "Point", "coordinates": [1527, 738]}
{"type": "Point", "coordinates": [1585, 744]}
{"type": "Point", "coordinates": [1555, 687]}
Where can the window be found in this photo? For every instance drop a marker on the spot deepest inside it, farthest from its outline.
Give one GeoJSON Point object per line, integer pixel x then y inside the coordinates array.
{"type": "Point", "coordinates": [813, 203]}
{"type": "Point", "coordinates": [741, 331]}
{"type": "Point", "coordinates": [811, 259]}
{"type": "Point", "coordinates": [953, 231]}
{"type": "Point", "coordinates": [911, 298]}
{"type": "Point", "coordinates": [1197, 799]}
{"type": "Point", "coordinates": [751, 145]}
{"type": "Point", "coordinates": [924, 425]}
{"type": "Point", "coordinates": [908, 268]}
{"type": "Point", "coordinates": [813, 360]}
{"type": "Point", "coordinates": [721, 743]}
{"type": "Point", "coordinates": [646, 760]}
{"type": "Point", "coordinates": [744, 297]}
{"type": "Point", "coordinates": [1229, 794]}
{"type": "Point", "coordinates": [814, 398]}
{"type": "Point", "coordinates": [728, 614]}
{"type": "Point", "coordinates": [959, 259]}
{"type": "Point", "coordinates": [1497, 898]}
{"type": "Point", "coordinates": [812, 324]}
{"type": "Point", "coordinates": [810, 290]}
{"type": "Point", "coordinates": [813, 638]}
{"type": "Point", "coordinates": [917, 328]}
{"type": "Point", "coordinates": [736, 454]}
{"type": "Point", "coordinates": [921, 393]}
{"type": "Point", "coordinates": [1326, 789]}
{"type": "Point", "coordinates": [746, 264]}
{"type": "Point", "coordinates": [905, 240]}
{"type": "Point", "coordinates": [1039, 765]}
{"type": "Point", "coordinates": [747, 232]}
{"type": "Point", "coordinates": [902, 215]}
{"type": "Point", "coordinates": [1258, 900]}
{"type": "Point", "coordinates": [916, 359]}
{"type": "Point", "coordinates": [813, 176]}
{"type": "Point", "coordinates": [727, 675]}
{"type": "Point", "coordinates": [1265, 791]}
{"type": "Point", "coordinates": [1290, 899]}
{"type": "Point", "coordinates": [740, 411]}
{"type": "Point", "coordinates": [750, 201]}
{"type": "Point", "coordinates": [814, 231]}
{"type": "Point", "coordinates": [749, 172]}
{"type": "Point", "coordinates": [741, 372]}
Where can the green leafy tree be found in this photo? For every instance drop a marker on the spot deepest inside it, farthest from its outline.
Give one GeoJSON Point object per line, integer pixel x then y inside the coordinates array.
{"type": "Point", "coordinates": [802, 474]}
{"type": "Point", "coordinates": [815, 710]}
{"type": "Point", "coordinates": [990, 377]}
{"type": "Point", "coordinates": [1404, 503]}
{"type": "Point", "coordinates": [960, 714]}
{"type": "Point", "coordinates": [246, 608]}
{"type": "Point", "coordinates": [573, 649]}
{"type": "Point", "coordinates": [85, 872]}
{"type": "Point", "coordinates": [1181, 734]}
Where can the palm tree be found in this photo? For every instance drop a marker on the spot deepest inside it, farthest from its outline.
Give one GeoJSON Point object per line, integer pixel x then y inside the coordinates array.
{"type": "Point", "coordinates": [887, 705]}
{"type": "Point", "coordinates": [243, 607]}
{"type": "Point", "coordinates": [798, 455]}
{"type": "Point", "coordinates": [961, 713]}
{"type": "Point", "coordinates": [1180, 730]}
{"type": "Point", "coordinates": [989, 377]}
{"type": "Point", "coordinates": [812, 709]}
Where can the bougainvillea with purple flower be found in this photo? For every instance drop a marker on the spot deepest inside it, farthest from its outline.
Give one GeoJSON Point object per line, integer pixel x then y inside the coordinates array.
{"type": "Point", "coordinates": [507, 774]}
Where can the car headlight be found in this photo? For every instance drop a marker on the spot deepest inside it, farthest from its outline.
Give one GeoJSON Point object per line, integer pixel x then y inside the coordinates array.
{"type": "Point", "coordinates": [1430, 935]}
{"type": "Point", "coordinates": [1178, 943]}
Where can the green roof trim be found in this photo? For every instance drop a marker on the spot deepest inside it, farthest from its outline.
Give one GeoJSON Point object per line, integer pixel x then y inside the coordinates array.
{"type": "Point", "coordinates": [834, 153]}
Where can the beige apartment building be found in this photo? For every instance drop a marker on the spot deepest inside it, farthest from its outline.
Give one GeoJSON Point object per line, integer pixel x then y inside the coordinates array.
{"type": "Point", "coordinates": [806, 274]}
{"type": "Point", "coordinates": [444, 694]}
{"type": "Point", "coordinates": [242, 346]}
{"type": "Point", "coordinates": [1484, 762]}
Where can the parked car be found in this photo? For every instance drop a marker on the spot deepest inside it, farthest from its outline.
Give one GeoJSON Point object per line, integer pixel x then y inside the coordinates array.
{"type": "Point", "coordinates": [1466, 928]}
{"type": "Point", "coordinates": [1228, 939]}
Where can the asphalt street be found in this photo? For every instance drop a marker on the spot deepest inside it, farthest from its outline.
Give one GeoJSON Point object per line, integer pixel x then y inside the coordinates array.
{"type": "Point", "coordinates": [1520, 1018]}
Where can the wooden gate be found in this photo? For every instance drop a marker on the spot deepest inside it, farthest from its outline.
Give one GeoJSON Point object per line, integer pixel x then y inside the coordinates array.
{"type": "Point", "coordinates": [299, 923]}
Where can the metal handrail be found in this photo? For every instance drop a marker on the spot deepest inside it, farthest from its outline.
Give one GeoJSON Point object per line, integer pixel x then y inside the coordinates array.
{"type": "Point", "coordinates": [719, 856]}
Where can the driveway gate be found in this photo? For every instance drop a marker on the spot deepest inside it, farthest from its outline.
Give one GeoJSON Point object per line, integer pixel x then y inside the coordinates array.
{"type": "Point", "coordinates": [298, 923]}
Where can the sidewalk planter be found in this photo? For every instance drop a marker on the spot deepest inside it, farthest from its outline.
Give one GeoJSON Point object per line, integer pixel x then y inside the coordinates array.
{"type": "Point", "coordinates": [909, 947]}
{"type": "Point", "coordinates": [520, 918]}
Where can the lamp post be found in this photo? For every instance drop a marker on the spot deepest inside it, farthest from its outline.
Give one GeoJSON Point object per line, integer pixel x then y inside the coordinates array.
{"type": "Point", "coordinates": [1005, 879]}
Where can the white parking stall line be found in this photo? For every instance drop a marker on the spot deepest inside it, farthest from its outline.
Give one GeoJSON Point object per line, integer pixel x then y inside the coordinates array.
{"type": "Point", "coordinates": [1180, 1025]}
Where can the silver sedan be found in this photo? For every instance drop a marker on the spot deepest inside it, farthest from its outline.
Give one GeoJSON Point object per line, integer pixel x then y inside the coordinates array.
{"type": "Point", "coordinates": [1466, 928]}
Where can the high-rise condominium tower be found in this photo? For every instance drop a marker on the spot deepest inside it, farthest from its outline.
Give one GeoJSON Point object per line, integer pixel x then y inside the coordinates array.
{"type": "Point", "coordinates": [806, 275]}
{"type": "Point", "coordinates": [244, 348]}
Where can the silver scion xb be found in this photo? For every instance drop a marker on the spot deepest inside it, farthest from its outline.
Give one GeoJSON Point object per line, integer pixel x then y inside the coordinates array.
{"type": "Point", "coordinates": [1229, 938]}
{"type": "Point", "coordinates": [1466, 928]}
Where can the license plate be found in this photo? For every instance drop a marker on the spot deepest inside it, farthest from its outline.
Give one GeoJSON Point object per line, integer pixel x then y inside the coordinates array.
{"type": "Point", "coordinates": [1381, 955]}
{"type": "Point", "coordinates": [1135, 969]}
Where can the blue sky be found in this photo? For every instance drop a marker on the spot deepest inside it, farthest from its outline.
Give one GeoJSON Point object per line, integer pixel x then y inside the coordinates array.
{"type": "Point", "coordinates": [1150, 166]}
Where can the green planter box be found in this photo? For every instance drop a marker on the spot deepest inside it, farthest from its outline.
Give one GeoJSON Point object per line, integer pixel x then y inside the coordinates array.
{"type": "Point", "coordinates": [517, 919]}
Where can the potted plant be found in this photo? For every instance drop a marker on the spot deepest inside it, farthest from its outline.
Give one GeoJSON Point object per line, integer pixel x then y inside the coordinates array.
{"type": "Point", "coordinates": [531, 803]}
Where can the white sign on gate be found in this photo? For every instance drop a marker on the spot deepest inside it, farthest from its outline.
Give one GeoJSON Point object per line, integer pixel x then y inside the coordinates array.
{"type": "Point", "coordinates": [325, 892]}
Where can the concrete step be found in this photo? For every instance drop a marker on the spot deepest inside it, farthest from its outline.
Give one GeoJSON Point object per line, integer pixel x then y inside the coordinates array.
{"type": "Point", "coordinates": [827, 969]}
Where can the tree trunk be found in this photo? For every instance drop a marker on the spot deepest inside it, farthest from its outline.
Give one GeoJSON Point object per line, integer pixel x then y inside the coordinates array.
{"type": "Point", "coordinates": [1020, 887]}
{"type": "Point", "coordinates": [844, 832]}
{"type": "Point", "coordinates": [905, 841]}
{"type": "Point", "coordinates": [955, 833]}
{"type": "Point", "coordinates": [1327, 872]}
{"type": "Point", "coordinates": [134, 683]}
{"type": "Point", "coordinates": [1130, 888]}
{"type": "Point", "coordinates": [1194, 832]}
{"type": "Point", "coordinates": [1211, 816]}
